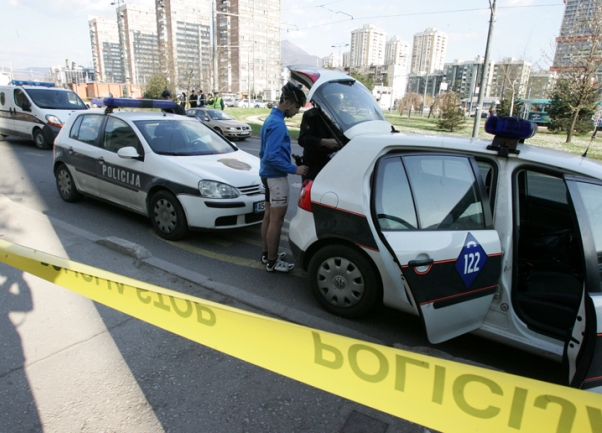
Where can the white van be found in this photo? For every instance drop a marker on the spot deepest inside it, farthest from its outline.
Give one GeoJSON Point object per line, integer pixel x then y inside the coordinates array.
{"type": "Point", "coordinates": [36, 110]}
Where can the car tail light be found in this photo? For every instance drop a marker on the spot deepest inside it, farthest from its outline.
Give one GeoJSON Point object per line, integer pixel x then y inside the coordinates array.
{"type": "Point", "coordinates": [305, 196]}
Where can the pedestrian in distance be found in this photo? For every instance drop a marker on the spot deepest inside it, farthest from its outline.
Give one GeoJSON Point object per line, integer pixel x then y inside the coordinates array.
{"type": "Point", "coordinates": [202, 99]}
{"type": "Point", "coordinates": [193, 99]}
{"type": "Point", "coordinates": [210, 101]}
{"type": "Point", "coordinates": [218, 102]}
{"type": "Point", "coordinates": [275, 166]}
{"type": "Point", "coordinates": [178, 109]}
{"type": "Point", "coordinates": [317, 140]}
{"type": "Point", "coordinates": [182, 98]}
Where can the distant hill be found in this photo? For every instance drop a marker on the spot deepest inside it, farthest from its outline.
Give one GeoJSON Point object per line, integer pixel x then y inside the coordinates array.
{"type": "Point", "coordinates": [33, 73]}
{"type": "Point", "coordinates": [291, 54]}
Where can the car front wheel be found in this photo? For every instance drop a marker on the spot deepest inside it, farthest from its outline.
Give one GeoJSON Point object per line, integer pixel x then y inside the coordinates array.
{"type": "Point", "coordinates": [168, 217]}
{"type": "Point", "coordinates": [66, 185]}
{"type": "Point", "coordinates": [344, 281]}
{"type": "Point", "coordinates": [40, 140]}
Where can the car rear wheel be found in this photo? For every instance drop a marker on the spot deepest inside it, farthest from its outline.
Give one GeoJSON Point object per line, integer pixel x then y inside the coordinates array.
{"type": "Point", "coordinates": [168, 217]}
{"type": "Point", "coordinates": [66, 185]}
{"type": "Point", "coordinates": [40, 141]}
{"type": "Point", "coordinates": [344, 281]}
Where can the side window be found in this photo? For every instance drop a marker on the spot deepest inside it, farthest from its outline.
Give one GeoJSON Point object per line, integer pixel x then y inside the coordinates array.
{"type": "Point", "coordinates": [591, 195]}
{"type": "Point", "coordinates": [489, 176]}
{"type": "Point", "coordinates": [75, 127]}
{"type": "Point", "coordinates": [119, 134]}
{"type": "Point", "coordinates": [445, 192]}
{"type": "Point", "coordinates": [20, 97]}
{"type": "Point", "coordinates": [89, 128]}
{"type": "Point", "coordinates": [393, 199]}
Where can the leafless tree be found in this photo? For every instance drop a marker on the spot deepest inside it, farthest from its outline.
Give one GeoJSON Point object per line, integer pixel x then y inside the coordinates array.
{"type": "Point", "coordinates": [579, 84]}
{"type": "Point", "coordinates": [409, 101]}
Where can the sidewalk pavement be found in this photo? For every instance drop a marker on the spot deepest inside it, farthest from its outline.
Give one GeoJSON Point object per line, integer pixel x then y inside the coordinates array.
{"type": "Point", "coordinates": [68, 364]}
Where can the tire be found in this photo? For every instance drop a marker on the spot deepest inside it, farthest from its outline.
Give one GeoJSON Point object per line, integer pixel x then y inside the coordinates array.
{"type": "Point", "coordinates": [40, 140]}
{"type": "Point", "coordinates": [167, 216]}
{"type": "Point", "coordinates": [66, 185]}
{"type": "Point", "coordinates": [344, 282]}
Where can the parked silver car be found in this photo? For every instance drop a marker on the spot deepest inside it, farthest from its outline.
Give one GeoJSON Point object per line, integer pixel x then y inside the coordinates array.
{"type": "Point", "coordinates": [222, 122]}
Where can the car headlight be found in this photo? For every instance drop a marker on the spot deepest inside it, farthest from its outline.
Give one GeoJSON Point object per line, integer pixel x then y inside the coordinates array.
{"type": "Point", "coordinates": [213, 189]}
{"type": "Point", "coordinates": [54, 121]}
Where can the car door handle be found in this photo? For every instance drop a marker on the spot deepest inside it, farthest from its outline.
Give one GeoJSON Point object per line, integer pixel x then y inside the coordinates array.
{"type": "Point", "coordinates": [101, 160]}
{"type": "Point", "coordinates": [71, 151]}
{"type": "Point", "coordinates": [418, 263]}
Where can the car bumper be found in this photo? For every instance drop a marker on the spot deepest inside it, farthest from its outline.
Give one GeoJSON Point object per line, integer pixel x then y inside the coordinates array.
{"type": "Point", "coordinates": [302, 235]}
{"type": "Point", "coordinates": [221, 214]}
{"type": "Point", "coordinates": [237, 134]}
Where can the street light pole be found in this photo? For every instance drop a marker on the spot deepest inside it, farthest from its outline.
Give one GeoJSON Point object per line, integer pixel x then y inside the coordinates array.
{"type": "Point", "coordinates": [483, 87]}
{"type": "Point", "coordinates": [339, 46]}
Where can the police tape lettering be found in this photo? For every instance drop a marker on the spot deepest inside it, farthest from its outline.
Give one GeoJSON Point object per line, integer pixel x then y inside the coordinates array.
{"type": "Point", "coordinates": [436, 393]}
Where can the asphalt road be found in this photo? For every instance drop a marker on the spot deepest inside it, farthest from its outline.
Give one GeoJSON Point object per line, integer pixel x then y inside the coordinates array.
{"type": "Point", "coordinates": [231, 257]}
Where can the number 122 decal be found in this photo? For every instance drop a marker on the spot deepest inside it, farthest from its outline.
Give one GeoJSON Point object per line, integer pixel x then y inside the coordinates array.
{"type": "Point", "coordinates": [471, 260]}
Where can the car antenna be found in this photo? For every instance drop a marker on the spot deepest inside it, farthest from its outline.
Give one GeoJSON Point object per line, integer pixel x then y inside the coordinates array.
{"type": "Point", "coordinates": [591, 141]}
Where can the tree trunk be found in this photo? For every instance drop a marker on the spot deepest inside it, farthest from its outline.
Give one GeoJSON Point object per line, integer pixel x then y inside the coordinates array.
{"type": "Point", "coordinates": [569, 133]}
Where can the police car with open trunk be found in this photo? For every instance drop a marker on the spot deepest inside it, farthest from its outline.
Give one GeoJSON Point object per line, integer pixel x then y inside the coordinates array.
{"type": "Point", "coordinates": [495, 237]}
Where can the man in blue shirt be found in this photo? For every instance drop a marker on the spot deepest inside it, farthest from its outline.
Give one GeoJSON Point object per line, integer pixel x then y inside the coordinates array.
{"type": "Point", "coordinates": [275, 166]}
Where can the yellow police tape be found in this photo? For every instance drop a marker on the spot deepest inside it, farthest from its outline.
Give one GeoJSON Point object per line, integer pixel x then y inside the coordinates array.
{"type": "Point", "coordinates": [439, 394]}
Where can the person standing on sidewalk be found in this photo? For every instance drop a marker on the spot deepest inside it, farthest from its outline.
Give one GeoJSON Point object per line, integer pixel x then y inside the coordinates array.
{"type": "Point", "coordinates": [193, 99]}
{"type": "Point", "coordinates": [275, 166]}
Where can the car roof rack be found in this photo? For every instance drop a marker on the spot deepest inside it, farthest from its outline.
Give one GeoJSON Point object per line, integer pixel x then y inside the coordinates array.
{"type": "Point", "coordinates": [508, 133]}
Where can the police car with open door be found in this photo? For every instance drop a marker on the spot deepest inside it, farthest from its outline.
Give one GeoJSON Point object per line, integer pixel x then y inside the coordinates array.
{"type": "Point", "coordinates": [175, 170]}
{"type": "Point", "coordinates": [36, 110]}
{"type": "Point", "coordinates": [494, 237]}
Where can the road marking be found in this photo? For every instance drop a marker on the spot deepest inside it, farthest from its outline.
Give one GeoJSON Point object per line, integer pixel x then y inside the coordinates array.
{"type": "Point", "coordinates": [241, 261]}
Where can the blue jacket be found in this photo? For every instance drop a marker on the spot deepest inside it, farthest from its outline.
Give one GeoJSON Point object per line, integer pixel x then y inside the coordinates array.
{"type": "Point", "coordinates": [275, 153]}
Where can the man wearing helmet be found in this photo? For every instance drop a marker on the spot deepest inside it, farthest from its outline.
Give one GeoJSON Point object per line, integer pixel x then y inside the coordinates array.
{"type": "Point", "coordinates": [275, 166]}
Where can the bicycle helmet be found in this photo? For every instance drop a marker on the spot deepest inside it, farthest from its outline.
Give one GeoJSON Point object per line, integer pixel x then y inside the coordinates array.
{"type": "Point", "coordinates": [293, 92]}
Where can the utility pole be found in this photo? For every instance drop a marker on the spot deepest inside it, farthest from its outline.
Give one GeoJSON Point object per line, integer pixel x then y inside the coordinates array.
{"type": "Point", "coordinates": [483, 87]}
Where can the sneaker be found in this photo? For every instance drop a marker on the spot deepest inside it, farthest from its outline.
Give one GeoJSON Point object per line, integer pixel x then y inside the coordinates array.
{"type": "Point", "coordinates": [281, 256]}
{"type": "Point", "coordinates": [280, 266]}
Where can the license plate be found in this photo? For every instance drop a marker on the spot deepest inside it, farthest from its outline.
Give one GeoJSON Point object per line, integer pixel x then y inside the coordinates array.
{"type": "Point", "coordinates": [259, 206]}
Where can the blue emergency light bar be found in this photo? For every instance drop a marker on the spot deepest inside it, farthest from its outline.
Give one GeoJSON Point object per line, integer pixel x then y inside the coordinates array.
{"type": "Point", "coordinates": [31, 83]}
{"type": "Point", "coordinates": [510, 127]}
{"type": "Point", "coordinates": [138, 103]}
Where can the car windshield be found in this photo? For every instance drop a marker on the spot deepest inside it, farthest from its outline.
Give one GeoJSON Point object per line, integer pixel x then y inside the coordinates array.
{"type": "Point", "coordinates": [219, 115]}
{"type": "Point", "coordinates": [56, 99]}
{"type": "Point", "coordinates": [348, 103]}
{"type": "Point", "coordinates": [182, 137]}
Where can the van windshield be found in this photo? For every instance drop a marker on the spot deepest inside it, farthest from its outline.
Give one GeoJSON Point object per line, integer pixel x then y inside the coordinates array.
{"type": "Point", "coordinates": [56, 99]}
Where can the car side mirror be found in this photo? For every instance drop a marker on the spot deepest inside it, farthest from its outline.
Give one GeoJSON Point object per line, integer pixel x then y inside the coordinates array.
{"type": "Point", "coordinates": [26, 106]}
{"type": "Point", "coordinates": [128, 152]}
{"type": "Point", "coordinates": [207, 119]}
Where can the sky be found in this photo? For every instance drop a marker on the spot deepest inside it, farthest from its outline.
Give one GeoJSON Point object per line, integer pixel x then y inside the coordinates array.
{"type": "Point", "coordinates": [37, 33]}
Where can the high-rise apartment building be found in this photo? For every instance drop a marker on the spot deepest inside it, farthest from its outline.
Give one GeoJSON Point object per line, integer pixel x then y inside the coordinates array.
{"type": "Point", "coordinates": [367, 46]}
{"type": "Point", "coordinates": [428, 51]}
{"type": "Point", "coordinates": [397, 52]}
{"type": "Point", "coordinates": [106, 51]}
{"type": "Point", "coordinates": [464, 77]}
{"type": "Point", "coordinates": [249, 47]}
{"type": "Point", "coordinates": [574, 43]}
{"type": "Point", "coordinates": [510, 78]}
{"type": "Point", "coordinates": [183, 37]}
{"type": "Point", "coordinates": [138, 35]}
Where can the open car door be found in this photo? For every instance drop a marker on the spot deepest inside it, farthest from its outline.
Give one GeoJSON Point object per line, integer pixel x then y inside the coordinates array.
{"type": "Point", "coordinates": [583, 348]}
{"type": "Point", "coordinates": [432, 212]}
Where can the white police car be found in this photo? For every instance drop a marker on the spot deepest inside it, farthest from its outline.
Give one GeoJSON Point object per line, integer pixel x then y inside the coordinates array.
{"type": "Point", "coordinates": [172, 168]}
{"type": "Point", "coordinates": [500, 238]}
